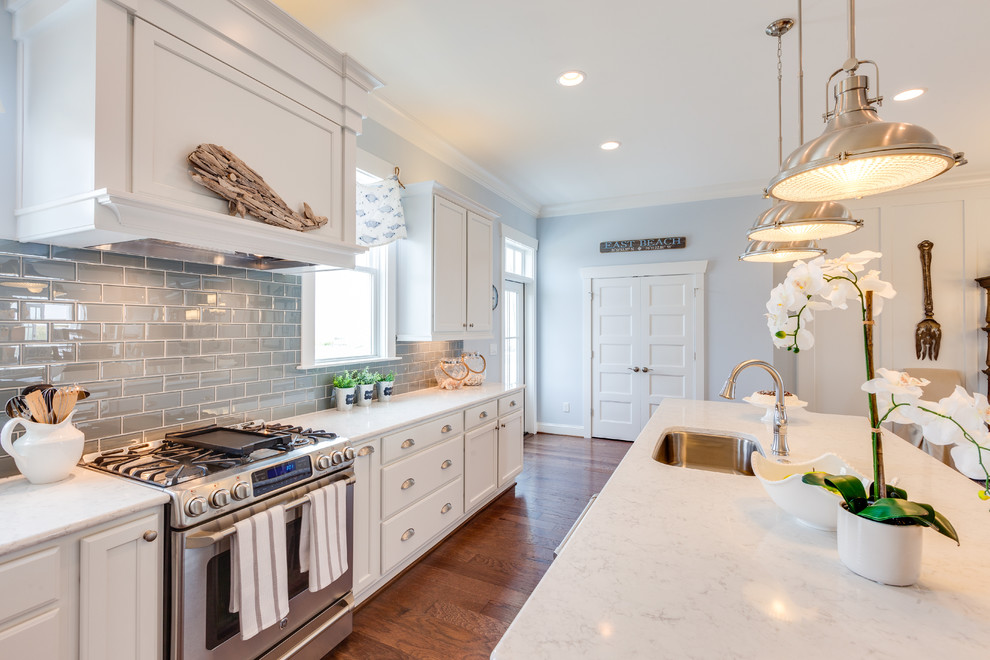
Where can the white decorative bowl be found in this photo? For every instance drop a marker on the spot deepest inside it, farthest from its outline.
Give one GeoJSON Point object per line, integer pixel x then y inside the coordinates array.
{"type": "Point", "coordinates": [811, 505]}
{"type": "Point", "coordinates": [768, 403]}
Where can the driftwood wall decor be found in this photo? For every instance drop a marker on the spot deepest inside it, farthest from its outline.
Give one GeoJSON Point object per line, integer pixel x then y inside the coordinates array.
{"type": "Point", "coordinates": [245, 191]}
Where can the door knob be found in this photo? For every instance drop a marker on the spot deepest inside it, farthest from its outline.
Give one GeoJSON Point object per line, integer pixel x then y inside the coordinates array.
{"type": "Point", "coordinates": [646, 369]}
{"type": "Point", "coordinates": [634, 369]}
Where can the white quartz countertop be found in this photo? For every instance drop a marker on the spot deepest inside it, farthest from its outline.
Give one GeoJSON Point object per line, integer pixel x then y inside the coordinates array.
{"type": "Point", "coordinates": [364, 422]}
{"type": "Point", "coordinates": [673, 562]}
{"type": "Point", "coordinates": [31, 514]}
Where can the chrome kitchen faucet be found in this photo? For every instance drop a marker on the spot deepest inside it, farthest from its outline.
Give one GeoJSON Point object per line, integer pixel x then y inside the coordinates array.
{"type": "Point", "coordinates": [779, 447]}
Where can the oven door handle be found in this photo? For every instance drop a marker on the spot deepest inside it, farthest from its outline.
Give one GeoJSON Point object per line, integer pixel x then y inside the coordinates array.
{"type": "Point", "coordinates": [206, 539]}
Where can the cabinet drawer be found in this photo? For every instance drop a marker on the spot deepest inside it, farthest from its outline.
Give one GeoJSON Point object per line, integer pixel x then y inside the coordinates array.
{"type": "Point", "coordinates": [406, 482]}
{"type": "Point", "coordinates": [28, 583]}
{"type": "Point", "coordinates": [410, 530]}
{"type": "Point", "coordinates": [478, 415]}
{"type": "Point", "coordinates": [405, 443]}
{"type": "Point", "coordinates": [34, 638]}
{"type": "Point", "coordinates": [510, 404]}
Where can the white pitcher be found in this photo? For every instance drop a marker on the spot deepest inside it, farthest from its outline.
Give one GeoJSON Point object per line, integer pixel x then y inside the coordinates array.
{"type": "Point", "coordinates": [46, 452]}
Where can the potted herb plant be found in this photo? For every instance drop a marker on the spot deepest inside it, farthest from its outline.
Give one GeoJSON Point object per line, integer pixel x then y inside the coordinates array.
{"type": "Point", "coordinates": [343, 385]}
{"type": "Point", "coordinates": [879, 529]}
{"type": "Point", "coordinates": [365, 381]}
{"type": "Point", "coordinates": [385, 383]}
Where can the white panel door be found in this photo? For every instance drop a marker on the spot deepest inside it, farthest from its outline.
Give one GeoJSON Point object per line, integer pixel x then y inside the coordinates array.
{"type": "Point", "coordinates": [449, 286]}
{"type": "Point", "coordinates": [667, 324]}
{"type": "Point", "coordinates": [643, 350]}
{"type": "Point", "coordinates": [616, 339]}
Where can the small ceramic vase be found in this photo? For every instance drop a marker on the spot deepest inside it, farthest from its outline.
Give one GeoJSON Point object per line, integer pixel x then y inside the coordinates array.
{"type": "Point", "coordinates": [365, 394]}
{"type": "Point", "coordinates": [385, 390]}
{"type": "Point", "coordinates": [46, 453]}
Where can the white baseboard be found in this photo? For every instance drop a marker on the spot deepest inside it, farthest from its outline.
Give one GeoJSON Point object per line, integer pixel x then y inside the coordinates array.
{"type": "Point", "coordinates": [560, 429]}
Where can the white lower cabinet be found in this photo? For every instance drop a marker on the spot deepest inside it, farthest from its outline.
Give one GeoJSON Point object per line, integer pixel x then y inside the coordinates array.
{"type": "Point", "coordinates": [510, 447]}
{"type": "Point", "coordinates": [367, 507]}
{"type": "Point", "coordinates": [408, 531]}
{"type": "Point", "coordinates": [96, 594]}
{"type": "Point", "coordinates": [416, 484]}
{"type": "Point", "coordinates": [480, 464]}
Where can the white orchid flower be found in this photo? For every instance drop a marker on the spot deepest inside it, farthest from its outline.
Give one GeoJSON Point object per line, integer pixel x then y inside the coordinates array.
{"type": "Point", "coordinates": [967, 459]}
{"type": "Point", "coordinates": [853, 263]}
{"type": "Point", "coordinates": [838, 291]}
{"type": "Point", "coordinates": [872, 282]}
{"type": "Point", "coordinates": [806, 278]}
{"type": "Point", "coordinates": [805, 339]}
{"type": "Point", "coordinates": [890, 382]}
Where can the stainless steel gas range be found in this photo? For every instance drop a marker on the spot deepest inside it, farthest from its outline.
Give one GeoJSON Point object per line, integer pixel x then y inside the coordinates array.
{"type": "Point", "coordinates": [215, 477]}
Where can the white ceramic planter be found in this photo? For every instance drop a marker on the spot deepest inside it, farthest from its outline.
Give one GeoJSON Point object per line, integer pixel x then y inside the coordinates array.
{"type": "Point", "coordinates": [365, 394]}
{"type": "Point", "coordinates": [385, 388]}
{"type": "Point", "coordinates": [345, 397]}
{"type": "Point", "coordinates": [46, 453]}
{"type": "Point", "coordinates": [889, 554]}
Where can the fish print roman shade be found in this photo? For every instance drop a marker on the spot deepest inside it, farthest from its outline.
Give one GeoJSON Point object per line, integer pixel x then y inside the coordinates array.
{"type": "Point", "coordinates": [380, 219]}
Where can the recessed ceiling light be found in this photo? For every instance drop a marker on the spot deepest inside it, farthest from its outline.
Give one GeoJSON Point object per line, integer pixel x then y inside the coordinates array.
{"type": "Point", "coordinates": [570, 78]}
{"type": "Point", "coordinates": [909, 94]}
{"type": "Point", "coordinates": [610, 145]}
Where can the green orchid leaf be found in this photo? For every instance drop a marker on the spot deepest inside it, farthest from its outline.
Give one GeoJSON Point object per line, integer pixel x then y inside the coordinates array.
{"type": "Point", "coordinates": [849, 487]}
{"type": "Point", "coordinates": [892, 491]}
{"type": "Point", "coordinates": [920, 514]}
{"type": "Point", "coordinates": [940, 523]}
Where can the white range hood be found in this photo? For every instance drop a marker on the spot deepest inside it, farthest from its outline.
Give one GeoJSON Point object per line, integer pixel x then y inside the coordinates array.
{"type": "Point", "coordinates": [114, 94]}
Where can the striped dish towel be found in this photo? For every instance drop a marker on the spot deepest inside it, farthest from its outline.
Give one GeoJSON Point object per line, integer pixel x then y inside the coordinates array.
{"type": "Point", "coordinates": [259, 583]}
{"type": "Point", "coordinates": [323, 542]}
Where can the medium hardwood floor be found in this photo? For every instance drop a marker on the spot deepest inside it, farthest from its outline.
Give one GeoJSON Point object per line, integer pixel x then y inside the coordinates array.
{"type": "Point", "coordinates": [458, 600]}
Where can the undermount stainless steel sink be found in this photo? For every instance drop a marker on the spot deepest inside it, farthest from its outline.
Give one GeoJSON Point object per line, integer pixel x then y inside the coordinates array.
{"type": "Point", "coordinates": [700, 450]}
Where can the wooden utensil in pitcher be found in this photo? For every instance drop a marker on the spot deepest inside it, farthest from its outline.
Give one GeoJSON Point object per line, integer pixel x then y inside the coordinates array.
{"type": "Point", "coordinates": [928, 334]}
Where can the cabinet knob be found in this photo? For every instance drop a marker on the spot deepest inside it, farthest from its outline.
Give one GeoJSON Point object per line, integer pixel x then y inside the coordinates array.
{"type": "Point", "coordinates": [408, 483]}
{"type": "Point", "coordinates": [470, 325]}
{"type": "Point", "coordinates": [446, 464]}
{"type": "Point", "coordinates": [646, 370]}
{"type": "Point", "coordinates": [447, 428]}
{"type": "Point", "coordinates": [636, 369]}
{"type": "Point", "coordinates": [463, 325]}
{"type": "Point", "coordinates": [150, 535]}
{"type": "Point", "coordinates": [407, 443]}
{"type": "Point", "coordinates": [408, 534]}
{"type": "Point", "coordinates": [446, 507]}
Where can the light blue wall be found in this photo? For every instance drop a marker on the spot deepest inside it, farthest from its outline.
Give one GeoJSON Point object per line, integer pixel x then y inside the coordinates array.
{"type": "Point", "coordinates": [736, 291]}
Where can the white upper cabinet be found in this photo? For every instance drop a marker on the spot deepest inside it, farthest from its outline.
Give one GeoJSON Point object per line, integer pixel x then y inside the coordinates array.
{"type": "Point", "coordinates": [444, 267]}
{"type": "Point", "coordinates": [147, 82]}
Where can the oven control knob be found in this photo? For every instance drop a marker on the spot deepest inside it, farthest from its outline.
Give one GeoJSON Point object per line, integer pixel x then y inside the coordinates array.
{"type": "Point", "coordinates": [240, 490]}
{"type": "Point", "coordinates": [220, 498]}
{"type": "Point", "coordinates": [323, 462]}
{"type": "Point", "coordinates": [197, 506]}
{"type": "Point", "coordinates": [348, 454]}
{"type": "Point", "coordinates": [337, 458]}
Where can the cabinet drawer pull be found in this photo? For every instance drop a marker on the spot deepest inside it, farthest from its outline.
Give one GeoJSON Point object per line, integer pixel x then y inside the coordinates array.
{"type": "Point", "coordinates": [484, 413]}
{"type": "Point", "coordinates": [150, 535]}
{"type": "Point", "coordinates": [365, 451]}
{"type": "Point", "coordinates": [408, 534]}
{"type": "Point", "coordinates": [446, 464]}
{"type": "Point", "coordinates": [446, 507]}
{"type": "Point", "coordinates": [407, 443]}
{"type": "Point", "coordinates": [447, 428]}
{"type": "Point", "coordinates": [408, 483]}
{"type": "Point", "coordinates": [512, 404]}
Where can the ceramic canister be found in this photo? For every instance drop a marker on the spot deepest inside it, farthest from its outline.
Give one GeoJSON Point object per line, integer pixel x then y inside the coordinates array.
{"type": "Point", "coordinates": [46, 452]}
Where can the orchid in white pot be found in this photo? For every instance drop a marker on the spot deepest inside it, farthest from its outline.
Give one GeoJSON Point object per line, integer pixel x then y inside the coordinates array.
{"type": "Point", "coordinates": [826, 284]}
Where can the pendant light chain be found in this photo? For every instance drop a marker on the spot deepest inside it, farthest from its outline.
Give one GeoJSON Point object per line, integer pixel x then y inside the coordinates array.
{"type": "Point", "coordinates": [780, 111]}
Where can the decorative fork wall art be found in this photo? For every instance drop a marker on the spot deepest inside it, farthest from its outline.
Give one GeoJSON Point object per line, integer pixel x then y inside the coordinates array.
{"type": "Point", "coordinates": [928, 334]}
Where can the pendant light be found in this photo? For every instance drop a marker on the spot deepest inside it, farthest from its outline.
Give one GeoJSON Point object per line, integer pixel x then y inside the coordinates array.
{"type": "Point", "coordinates": [784, 231]}
{"type": "Point", "coordinates": [858, 154]}
{"type": "Point", "coordinates": [799, 221]}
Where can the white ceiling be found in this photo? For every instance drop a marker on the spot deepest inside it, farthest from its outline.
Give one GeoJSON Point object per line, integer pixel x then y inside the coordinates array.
{"type": "Point", "coordinates": [689, 88]}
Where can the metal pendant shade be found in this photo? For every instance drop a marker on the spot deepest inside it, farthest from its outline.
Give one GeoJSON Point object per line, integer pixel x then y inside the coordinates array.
{"type": "Point", "coordinates": [803, 221]}
{"type": "Point", "coordinates": [858, 154]}
{"type": "Point", "coordinates": [777, 252]}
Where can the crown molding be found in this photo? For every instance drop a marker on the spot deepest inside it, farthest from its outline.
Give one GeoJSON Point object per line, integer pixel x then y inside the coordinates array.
{"type": "Point", "coordinates": [384, 112]}
{"type": "Point", "coordinates": [660, 198]}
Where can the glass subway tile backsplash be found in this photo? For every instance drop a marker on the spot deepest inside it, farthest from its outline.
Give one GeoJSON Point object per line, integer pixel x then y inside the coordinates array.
{"type": "Point", "coordinates": [165, 345]}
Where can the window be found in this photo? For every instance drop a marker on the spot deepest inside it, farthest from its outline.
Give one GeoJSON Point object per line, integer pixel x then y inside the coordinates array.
{"type": "Point", "coordinates": [518, 259]}
{"type": "Point", "coordinates": [348, 315]}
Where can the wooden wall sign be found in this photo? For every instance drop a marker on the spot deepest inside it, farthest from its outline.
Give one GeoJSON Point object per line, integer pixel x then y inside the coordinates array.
{"type": "Point", "coordinates": [642, 244]}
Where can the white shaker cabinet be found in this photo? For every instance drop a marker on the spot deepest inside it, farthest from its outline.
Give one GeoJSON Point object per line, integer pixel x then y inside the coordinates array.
{"type": "Point", "coordinates": [510, 447]}
{"type": "Point", "coordinates": [480, 464]}
{"type": "Point", "coordinates": [367, 516]}
{"type": "Point", "coordinates": [92, 595]}
{"type": "Point", "coordinates": [445, 266]}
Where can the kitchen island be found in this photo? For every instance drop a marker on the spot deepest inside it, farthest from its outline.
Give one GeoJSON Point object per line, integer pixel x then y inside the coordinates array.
{"type": "Point", "coordinates": [672, 562]}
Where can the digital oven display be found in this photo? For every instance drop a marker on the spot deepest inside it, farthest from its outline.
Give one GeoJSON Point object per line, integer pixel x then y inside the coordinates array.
{"type": "Point", "coordinates": [281, 475]}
